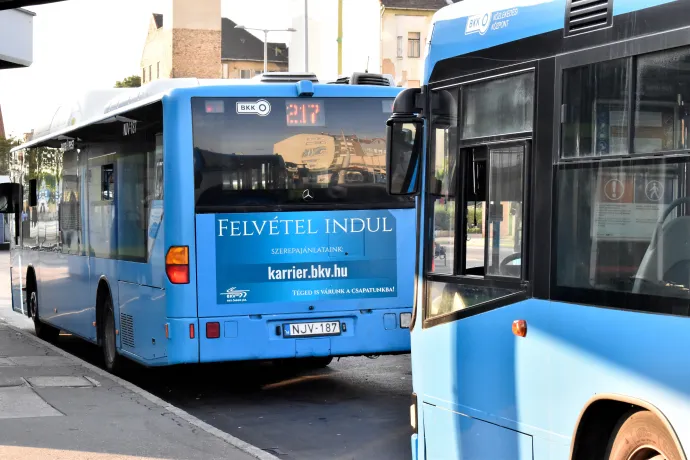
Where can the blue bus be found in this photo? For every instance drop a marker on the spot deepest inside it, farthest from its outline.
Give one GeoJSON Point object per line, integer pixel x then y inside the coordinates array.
{"type": "Point", "coordinates": [549, 146]}
{"type": "Point", "coordinates": [193, 221]}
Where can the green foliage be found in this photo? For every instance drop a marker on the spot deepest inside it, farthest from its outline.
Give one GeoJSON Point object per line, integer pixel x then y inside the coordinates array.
{"type": "Point", "coordinates": [444, 215]}
{"type": "Point", "coordinates": [133, 81]}
{"type": "Point", "coordinates": [471, 211]}
{"type": "Point", "coordinates": [6, 144]}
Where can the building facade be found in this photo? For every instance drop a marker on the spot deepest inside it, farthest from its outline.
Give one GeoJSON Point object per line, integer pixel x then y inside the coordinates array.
{"type": "Point", "coordinates": [386, 36]}
{"type": "Point", "coordinates": [191, 39]}
{"type": "Point", "coordinates": [404, 28]}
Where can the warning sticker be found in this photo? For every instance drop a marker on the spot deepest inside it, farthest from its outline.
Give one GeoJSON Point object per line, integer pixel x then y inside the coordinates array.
{"type": "Point", "coordinates": [629, 204]}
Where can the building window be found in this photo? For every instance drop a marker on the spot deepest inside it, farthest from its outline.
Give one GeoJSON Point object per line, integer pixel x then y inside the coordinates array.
{"type": "Point", "coordinates": [245, 73]}
{"type": "Point", "coordinates": [413, 44]}
{"type": "Point", "coordinates": [143, 75]}
{"type": "Point", "coordinates": [158, 70]}
{"type": "Point", "coordinates": [400, 46]}
{"type": "Point", "coordinates": [226, 70]}
{"type": "Point", "coordinates": [149, 73]}
{"type": "Point", "coordinates": [107, 182]}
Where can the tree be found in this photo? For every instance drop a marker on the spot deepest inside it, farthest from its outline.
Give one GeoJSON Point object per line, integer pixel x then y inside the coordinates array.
{"type": "Point", "coordinates": [6, 144]}
{"type": "Point", "coordinates": [130, 82]}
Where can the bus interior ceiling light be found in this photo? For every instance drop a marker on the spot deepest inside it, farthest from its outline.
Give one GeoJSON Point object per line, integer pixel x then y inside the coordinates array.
{"type": "Point", "coordinates": [177, 264]}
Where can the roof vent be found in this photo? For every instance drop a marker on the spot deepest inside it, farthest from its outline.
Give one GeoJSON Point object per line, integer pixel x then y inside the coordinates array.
{"type": "Point", "coordinates": [587, 15]}
{"type": "Point", "coordinates": [287, 77]}
{"type": "Point", "coordinates": [358, 78]}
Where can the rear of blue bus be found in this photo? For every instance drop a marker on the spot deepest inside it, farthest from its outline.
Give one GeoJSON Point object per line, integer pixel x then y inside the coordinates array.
{"type": "Point", "coordinates": [299, 250]}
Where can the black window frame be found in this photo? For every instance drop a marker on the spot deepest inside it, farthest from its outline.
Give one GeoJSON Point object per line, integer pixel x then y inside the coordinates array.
{"type": "Point", "coordinates": [414, 45]}
{"type": "Point", "coordinates": [522, 285]}
{"type": "Point", "coordinates": [630, 49]}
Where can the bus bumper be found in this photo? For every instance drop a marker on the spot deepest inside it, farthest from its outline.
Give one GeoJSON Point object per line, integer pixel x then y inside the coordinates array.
{"type": "Point", "coordinates": [261, 337]}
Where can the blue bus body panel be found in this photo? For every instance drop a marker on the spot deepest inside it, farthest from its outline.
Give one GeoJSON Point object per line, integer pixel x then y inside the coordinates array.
{"type": "Point", "coordinates": [490, 375]}
{"type": "Point", "coordinates": [261, 336]}
{"type": "Point", "coordinates": [473, 25]}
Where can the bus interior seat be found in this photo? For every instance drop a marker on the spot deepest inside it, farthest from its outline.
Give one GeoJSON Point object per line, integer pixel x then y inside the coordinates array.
{"type": "Point", "coordinates": [667, 259]}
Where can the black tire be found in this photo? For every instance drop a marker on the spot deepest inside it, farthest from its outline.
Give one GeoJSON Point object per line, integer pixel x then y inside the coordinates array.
{"type": "Point", "coordinates": [112, 360]}
{"type": "Point", "coordinates": [640, 435]}
{"type": "Point", "coordinates": [43, 331]}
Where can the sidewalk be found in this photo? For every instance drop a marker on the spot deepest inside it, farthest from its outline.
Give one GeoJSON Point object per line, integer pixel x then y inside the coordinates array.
{"type": "Point", "coordinates": [55, 406]}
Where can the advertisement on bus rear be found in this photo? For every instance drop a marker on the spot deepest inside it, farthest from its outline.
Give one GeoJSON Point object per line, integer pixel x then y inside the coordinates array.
{"type": "Point", "coordinates": [302, 256]}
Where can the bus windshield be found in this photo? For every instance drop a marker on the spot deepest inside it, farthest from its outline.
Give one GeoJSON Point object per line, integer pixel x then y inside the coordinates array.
{"type": "Point", "coordinates": [290, 151]}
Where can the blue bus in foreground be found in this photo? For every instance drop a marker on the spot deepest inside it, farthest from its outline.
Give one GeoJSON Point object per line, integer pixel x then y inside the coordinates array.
{"type": "Point", "coordinates": [550, 148]}
{"type": "Point", "coordinates": [201, 221]}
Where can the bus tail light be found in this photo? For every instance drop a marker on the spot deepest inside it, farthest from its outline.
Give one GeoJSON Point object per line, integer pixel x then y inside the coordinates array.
{"type": "Point", "coordinates": [177, 264]}
{"type": "Point", "coordinates": [212, 330]}
{"type": "Point", "coordinates": [413, 412]}
{"type": "Point", "coordinates": [191, 331]}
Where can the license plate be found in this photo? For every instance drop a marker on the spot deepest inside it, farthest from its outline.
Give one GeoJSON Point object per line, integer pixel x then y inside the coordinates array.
{"type": "Point", "coordinates": [311, 329]}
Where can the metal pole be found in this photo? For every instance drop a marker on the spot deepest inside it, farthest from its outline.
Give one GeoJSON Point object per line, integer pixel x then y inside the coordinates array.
{"type": "Point", "coordinates": [265, 51]}
{"type": "Point", "coordinates": [306, 36]}
{"type": "Point", "coordinates": [340, 37]}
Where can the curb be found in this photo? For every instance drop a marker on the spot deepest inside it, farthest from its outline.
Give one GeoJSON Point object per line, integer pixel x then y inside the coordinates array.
{"type": "Point", "coordinates": [233, 441]}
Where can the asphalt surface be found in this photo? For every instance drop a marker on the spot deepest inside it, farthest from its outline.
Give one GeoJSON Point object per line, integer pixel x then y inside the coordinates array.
{"type": "Point", "coordinates": [357, 408]}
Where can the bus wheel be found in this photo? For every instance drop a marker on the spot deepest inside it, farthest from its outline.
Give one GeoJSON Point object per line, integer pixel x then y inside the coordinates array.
{"type": "Point", "coordinates": [43, 331]}
{"type": "Point", "coordinates": [640, 435]}
{"type": "Point", "coordinates": [113, 361]}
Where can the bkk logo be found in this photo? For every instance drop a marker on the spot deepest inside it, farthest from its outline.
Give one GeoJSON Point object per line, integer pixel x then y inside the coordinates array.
{"type": "Point", "coordinates": [480, 23]}
{"type": "Point", "coordinates": [234, 295]}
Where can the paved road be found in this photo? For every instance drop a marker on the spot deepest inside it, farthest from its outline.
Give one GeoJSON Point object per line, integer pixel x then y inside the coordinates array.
{"type": "Point", "coordinates": [358, 408]}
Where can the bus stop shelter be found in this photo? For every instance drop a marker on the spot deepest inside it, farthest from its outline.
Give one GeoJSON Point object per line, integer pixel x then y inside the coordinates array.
{"type": "Point", "coordinates": [16, 32]}
{"type": "Point", "coordinates": [16, 51]}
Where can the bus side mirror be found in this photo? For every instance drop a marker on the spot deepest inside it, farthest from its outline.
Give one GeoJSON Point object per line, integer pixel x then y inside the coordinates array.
{"type": "Point", "coordinates": [10, 198]}
{"type": "Point", "coordinates": [404, 151]}
{"type": "Point", "coordinates": [404, 135]}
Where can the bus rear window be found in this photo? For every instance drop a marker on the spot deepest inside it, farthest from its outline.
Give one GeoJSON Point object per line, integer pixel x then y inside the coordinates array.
{"type": "Point", "coordinates": [283, 151]}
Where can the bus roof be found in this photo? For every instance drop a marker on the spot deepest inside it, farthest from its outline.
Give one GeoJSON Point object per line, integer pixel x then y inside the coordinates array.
{"type": "Point", "coordinates": [474, 25]}
{"type": "Point", "coordinates": [102, 105]}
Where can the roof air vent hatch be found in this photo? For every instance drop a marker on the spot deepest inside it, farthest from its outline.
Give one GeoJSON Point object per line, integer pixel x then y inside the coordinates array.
{"type": "Point", "coordinates": [587, 15]}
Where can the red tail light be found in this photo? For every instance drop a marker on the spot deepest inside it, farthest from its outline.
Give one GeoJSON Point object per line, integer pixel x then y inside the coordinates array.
{"type": "Point", "coordinates": [212, 330]}
{"type": "Point", "coordinates": [177, 264]}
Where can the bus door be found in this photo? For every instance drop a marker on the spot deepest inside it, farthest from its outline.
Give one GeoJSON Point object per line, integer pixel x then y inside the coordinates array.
{"type": "Point", "coordinates": [13, 214]}
{"type": "Point", "coordinates": [16, 225]}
